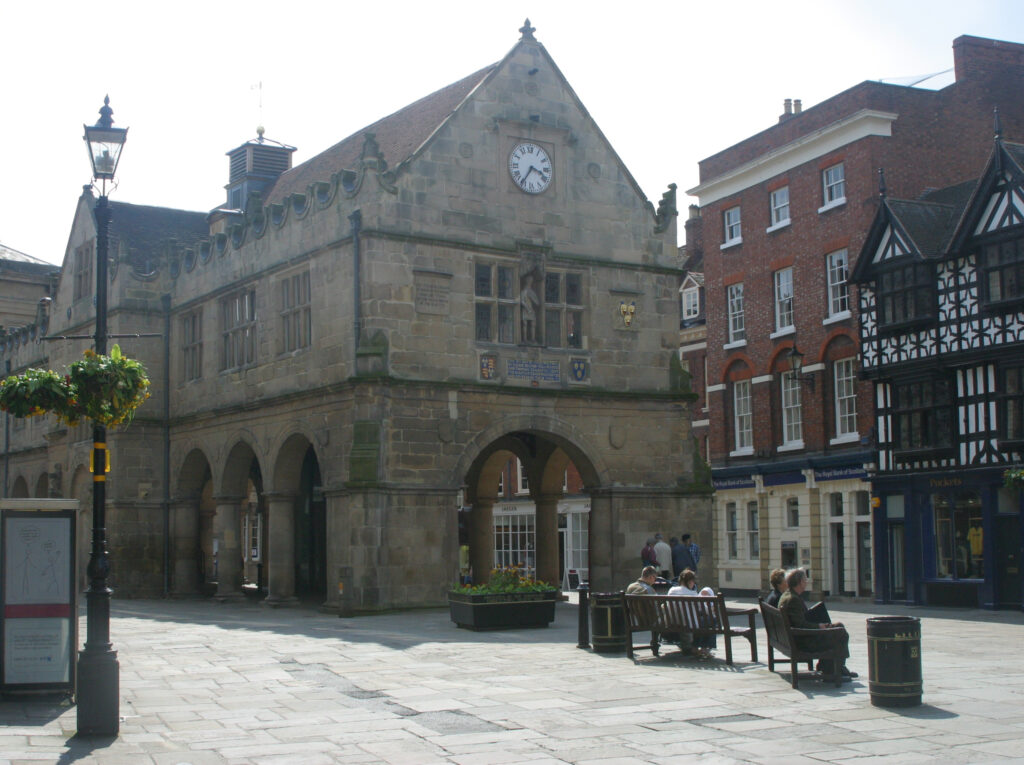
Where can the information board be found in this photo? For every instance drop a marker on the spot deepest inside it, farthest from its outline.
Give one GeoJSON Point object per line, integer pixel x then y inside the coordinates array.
{"type": "Point", "coordinates": [37, 590]}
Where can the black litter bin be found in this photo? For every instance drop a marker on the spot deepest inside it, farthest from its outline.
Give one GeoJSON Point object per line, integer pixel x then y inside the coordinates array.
{"type": "Point", "coordinates": [607, 622]}
{"type": "Point", "coordinates": [894, 661]}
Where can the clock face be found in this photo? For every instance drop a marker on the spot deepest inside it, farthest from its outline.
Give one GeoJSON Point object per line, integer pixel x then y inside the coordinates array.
{"type": "Point", "coordinates": [530, 167]}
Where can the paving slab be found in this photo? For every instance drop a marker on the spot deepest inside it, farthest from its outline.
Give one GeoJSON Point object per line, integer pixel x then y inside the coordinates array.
{"type": "Point", "coordinates": [205, 683]}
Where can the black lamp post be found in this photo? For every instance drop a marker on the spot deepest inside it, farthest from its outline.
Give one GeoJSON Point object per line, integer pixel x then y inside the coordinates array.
{"type": "Point", "coordinates": [98, 670]}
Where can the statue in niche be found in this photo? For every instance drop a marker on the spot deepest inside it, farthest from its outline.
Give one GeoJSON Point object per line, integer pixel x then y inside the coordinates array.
{"type": "Point", "coordinates": [530, 303]}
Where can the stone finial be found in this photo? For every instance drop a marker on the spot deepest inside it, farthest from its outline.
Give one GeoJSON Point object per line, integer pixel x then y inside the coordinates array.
{"type": "Point", "coordinates": [106, 114]}
{"type": "Point", "coordinates": [527, 31]}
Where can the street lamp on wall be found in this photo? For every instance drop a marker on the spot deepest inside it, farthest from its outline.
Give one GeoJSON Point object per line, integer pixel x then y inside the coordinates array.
{"type": "Point", "coordinates": [796, 365]}
{"type": "Point", "coordinates": [98, 671]}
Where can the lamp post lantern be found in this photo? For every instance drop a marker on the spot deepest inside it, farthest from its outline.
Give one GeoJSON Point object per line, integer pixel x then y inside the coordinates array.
{"type": "Point", "coordinates": [98, 671]}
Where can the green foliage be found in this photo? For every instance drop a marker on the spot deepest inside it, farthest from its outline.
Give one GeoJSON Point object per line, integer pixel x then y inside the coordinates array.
{"type": "Point", "coordinates": [508, 579]}
{"type": "Point", "coordinates": [105, 389]}
{"type": "Point", "coordinates": [1013, 478]}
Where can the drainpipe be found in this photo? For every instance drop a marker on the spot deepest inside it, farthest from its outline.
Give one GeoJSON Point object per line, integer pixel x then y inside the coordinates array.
{"type": "Point", "coordinates": [165, 303]}
{"type": "Point", "coordinates": [357, 224]}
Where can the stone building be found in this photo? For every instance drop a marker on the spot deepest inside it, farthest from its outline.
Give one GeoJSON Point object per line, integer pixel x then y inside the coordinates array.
{"type": "Point", "coordinates": [785, 213]}
{"type": "Point", "coordinates": [349, 350]}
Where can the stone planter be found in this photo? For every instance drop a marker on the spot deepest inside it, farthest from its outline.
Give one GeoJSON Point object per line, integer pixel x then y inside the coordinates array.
{"type": "Point", "coordinates": [499, 611]}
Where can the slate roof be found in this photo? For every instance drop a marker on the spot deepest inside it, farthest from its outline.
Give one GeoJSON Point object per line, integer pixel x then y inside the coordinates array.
{"type": "Point", "coordinates": [15, 260]}
{"type": "Point", "coordinates": [145, 228]}
{"type": "Point", "coordinates": [399, 135]}
{"type": "Point", "coordinates": [928, 224]}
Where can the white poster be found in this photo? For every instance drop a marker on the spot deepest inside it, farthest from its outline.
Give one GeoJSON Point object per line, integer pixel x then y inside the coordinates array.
{"type": "Point", "coordinates": [37, 560]}
{"type": "Point", "coordinates": [36, 651]}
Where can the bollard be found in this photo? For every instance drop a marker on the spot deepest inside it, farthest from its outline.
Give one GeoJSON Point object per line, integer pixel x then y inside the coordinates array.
{"type": "Point", "coordinates": [583, 640]}
{"type": "Point", "coordinates": [894, 661]}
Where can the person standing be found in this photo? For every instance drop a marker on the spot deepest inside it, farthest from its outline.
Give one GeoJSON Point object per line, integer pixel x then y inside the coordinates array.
{"type": "Point", "coordinates": [682, 559]}
{"type": "Point", "coordinates": [694, 549]}
{"type": "Point", "coordinates": [663, 554]}
{"type": "Point", "coordinates": [648, 557]}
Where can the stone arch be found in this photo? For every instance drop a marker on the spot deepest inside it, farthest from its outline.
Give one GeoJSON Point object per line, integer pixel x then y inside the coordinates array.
{"type": "Point", "coordinates": [296, 515]}
{"type": "Point", "coordinates": [545, 454]}
{"type": "Point", "coordinates": [558, 431]}
{"type": "Point", "coordinates": [20, 488]}
{"type": "Point", "coordinates": [43, 485]}
{"type": "Point", "coordinates": [191, 526]}
{"type": "Point", "coordinates": [241, 506]}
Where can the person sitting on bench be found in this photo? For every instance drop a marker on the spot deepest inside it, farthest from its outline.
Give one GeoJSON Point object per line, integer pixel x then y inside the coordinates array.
{"type": "Point", "coordinates": [833, 634]}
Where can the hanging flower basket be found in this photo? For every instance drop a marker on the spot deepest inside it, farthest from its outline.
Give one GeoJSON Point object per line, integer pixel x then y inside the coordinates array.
{"type": "Point", "coordinates": [104, 389]}
{"type": "Point", "coordinates": [1013, 478]}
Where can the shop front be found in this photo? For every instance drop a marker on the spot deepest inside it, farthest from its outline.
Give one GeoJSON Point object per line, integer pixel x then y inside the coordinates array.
{"type": "Point", "coordinates": [948, 540]}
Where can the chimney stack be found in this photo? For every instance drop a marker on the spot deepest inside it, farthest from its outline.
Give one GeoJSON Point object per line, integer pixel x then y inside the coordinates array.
{"type": "Point", "coordinates": [787, 110]}
{"type": "Point", "coordinates": [797, 106]}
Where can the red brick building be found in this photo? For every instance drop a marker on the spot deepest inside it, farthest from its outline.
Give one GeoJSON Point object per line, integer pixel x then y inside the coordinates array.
{"type": "Point", "coordinates": [784, 214]}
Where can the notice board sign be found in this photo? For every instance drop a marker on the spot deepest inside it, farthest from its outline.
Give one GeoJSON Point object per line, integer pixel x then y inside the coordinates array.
{"type": "Point", "coordinates": [38, 629]}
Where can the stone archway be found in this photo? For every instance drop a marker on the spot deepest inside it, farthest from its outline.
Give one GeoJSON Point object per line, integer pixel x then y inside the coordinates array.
{"type": "Point", "coordinates": [297, 537]}
{"type": "Point", "coordinates": [545, 457]}
{"type": "Point", "coordinates": [20, 488]}
{"type": "Point", "coordinates": [240, 492]}
{"type": "Point", "coordinates": [43, 486]}
{"type": "Point", "coordinates": [192, 512]}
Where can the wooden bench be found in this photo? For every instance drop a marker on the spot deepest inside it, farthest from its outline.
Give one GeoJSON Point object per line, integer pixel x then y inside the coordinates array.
{"type": "Point", "coordinates": [782, 638]}
{"type": "Point", "coordinates": [685, 614]}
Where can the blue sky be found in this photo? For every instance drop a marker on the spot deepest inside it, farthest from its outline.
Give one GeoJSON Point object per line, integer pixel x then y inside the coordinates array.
{"type": "Point", "coordinates": [668, 83]}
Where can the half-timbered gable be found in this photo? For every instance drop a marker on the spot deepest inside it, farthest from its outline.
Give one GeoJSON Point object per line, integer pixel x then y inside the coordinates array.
{"type": "Point", "coordinates": [942, 337]}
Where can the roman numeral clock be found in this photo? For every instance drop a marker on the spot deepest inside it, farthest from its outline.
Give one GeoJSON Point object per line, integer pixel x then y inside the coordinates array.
{"type": "Point", "coordinates": [530, 167]}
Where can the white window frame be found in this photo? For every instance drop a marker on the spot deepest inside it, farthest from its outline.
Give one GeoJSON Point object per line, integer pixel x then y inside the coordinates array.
{"type": "Point", "coordinates": [737, 324]}
{"type": "Point", "coordinates": [783, 293]}
{"type": "Point", "coordinates": [732, 531]}
{"type": "Point", "coordinates": [732, 227]}
{"type": "Point", "coordinates": [742, 418]}
{"type": "Point", "coordinates": [690, 302]}
{"type": "Point", "coordinates": [753, 531]}
{"type": "Point", "coordinates": [792, 504]}
{"type": "Point", "coordinates": [833, 186]}
{"type": "Point", "coordinates": [778, 204]}
{"type": "Point", "coordinates": [792, 412]}
{"type": "Point", "coordinates": [837, 267]}
{"type": "Point", "coordinates": [515, 541]}
{"type": "Point", "coordinates": [844, 379]}
{"type": "Point", "coordinates": [523, 484]}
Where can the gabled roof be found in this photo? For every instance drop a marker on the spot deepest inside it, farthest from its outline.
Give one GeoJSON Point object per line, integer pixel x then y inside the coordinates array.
{"type": "Point", "coordinates": [941, 220]}
{"type": "Point", "coordinates": [399, 135]}
{"type": "Point", "coordinates": [142, 227]}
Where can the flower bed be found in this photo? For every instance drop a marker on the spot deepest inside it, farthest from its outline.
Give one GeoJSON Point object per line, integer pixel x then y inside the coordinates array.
{"type": "Point", "coordinates": [507, 600]}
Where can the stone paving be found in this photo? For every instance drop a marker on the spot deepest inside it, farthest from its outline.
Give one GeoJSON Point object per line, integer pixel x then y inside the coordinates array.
{"type": "Point", "coordinates": [205, 683]}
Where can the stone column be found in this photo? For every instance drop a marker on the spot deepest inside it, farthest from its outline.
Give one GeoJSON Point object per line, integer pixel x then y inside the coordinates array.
{"type": "Point", "coordinates": [227, 531]}
{"type": "Point", "coordinates": [185, 566]}
{"type": "Point", "coordinates": [280, 563]}
{"type": "Point", "coordinates": [602, 543]}
{"type": "Point", "coordinates": [481, 539]}
{"type": "Point", "coordinates": [546, 534]}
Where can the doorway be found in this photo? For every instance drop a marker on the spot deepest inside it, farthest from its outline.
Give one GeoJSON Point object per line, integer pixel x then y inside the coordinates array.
{"type": "Point", "coordinates": [864, 583]}
{"type": "Point", "coordinates": [310, 532]}
{"type": "Point", "coordinates": [897, 561]}
{"type": "Point", "coordinates": [838, 572]}
{"type": "Point", "coordinates": [1007, 569]}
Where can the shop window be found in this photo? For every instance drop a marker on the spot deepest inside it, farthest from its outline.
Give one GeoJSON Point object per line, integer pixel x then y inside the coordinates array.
{"type": "Point", "coordinates": [959, 547]}
{"type": "Point", "coordinates": [514, 542]}
{"type": "Point", "coordinates": [836, 505]}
